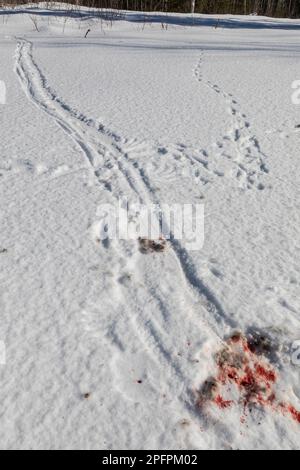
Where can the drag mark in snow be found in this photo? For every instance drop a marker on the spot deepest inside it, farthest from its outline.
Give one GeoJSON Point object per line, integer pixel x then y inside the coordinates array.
{"type": "Point", "coordinates": [82, 130]}
{"type": "Point", "coordinates": [103, 150]}
{"type": "Point", "coordinates": [100, 145]}
{"type": "Point", "coordinates": [245, 378]}
{"type": "Point", "coordinates": [240, 145]}
{"type": "Point", "coordinates": [188, 268]}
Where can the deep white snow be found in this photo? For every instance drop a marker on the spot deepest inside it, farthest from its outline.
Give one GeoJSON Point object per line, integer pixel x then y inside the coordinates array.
{"type": "Point", "coordinates": [106, 347]}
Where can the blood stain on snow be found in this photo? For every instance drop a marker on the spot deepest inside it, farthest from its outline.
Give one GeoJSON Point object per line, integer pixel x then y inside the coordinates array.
{"type": "Point", "coordinates": [294, 413]}
{"type": "Point", "coordinates": [221, 403]}
{"type": "Point", "coordinates": [289, 409]}
{"type": "Point", "coordinates": [246, 373]}
{"type": "Point", "coordinates": [268, 375]}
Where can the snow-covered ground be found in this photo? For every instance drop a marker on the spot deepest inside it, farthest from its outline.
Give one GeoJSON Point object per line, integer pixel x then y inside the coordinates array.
{"type": "Point", "coordinates": [110, 348]}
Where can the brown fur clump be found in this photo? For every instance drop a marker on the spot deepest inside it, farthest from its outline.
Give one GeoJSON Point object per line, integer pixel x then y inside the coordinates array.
{"type": "Point", "coordinates": [152, 246]}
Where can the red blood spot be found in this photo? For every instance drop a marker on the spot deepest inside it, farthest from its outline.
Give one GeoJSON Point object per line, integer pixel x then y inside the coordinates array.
{"type": "Point", "coordinates": [272, 398]}
{"type": "Point", "coordinates": [268, 375]}
{"type": "Point", "coordinates": [221, 403]}
{"type": "Point", "coordinates": [248, 380]}
{"type": "Point", "coordinates": [286, 408]}
{"type": "Point", "coordinates": [295, 414]}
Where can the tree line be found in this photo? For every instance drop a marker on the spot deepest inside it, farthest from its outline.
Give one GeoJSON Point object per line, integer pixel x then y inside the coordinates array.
{"type": "Point", "coordinates": [279, 8]}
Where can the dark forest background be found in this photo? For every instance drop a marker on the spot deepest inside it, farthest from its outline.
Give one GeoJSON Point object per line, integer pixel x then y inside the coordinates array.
{"type": "Point", "coordinates": [279, 8]}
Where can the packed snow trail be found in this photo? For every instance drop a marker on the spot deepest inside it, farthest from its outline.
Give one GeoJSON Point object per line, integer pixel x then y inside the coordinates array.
{"type": "Point", "coordinates": [96, 141]}
{"type": "Point", "coordinates": [101, 149]}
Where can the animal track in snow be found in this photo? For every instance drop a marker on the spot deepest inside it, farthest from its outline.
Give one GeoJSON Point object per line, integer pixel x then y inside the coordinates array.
{"type": "Point", "coordinates": [239, 145]}
{"type": "Point", "coordinates": [115, 166]}
{"type": "Point", "coordinates": [104, 149]}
